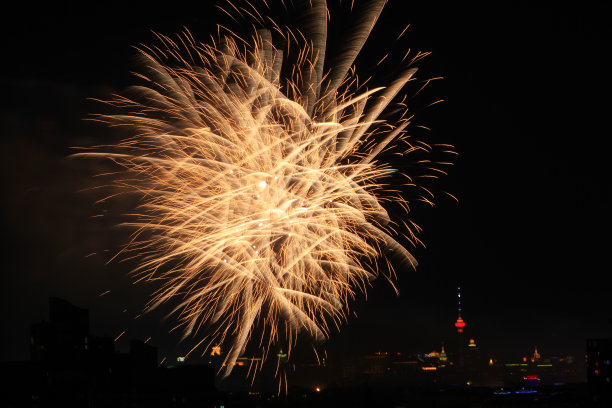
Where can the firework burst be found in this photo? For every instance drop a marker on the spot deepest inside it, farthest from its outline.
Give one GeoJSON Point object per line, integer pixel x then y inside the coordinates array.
{"type": "Point", "coordinates": [260, 190]}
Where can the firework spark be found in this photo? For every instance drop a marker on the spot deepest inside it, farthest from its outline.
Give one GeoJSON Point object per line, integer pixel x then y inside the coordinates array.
{"type": "Point", "coordinates": [261, 194]}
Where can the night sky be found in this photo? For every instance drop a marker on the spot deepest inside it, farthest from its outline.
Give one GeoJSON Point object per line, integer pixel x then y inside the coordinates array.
{"type": "Point", "coordinates": [526, 104]}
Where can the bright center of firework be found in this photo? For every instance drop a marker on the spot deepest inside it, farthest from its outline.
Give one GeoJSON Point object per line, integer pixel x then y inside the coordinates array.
{"type": "Point", "coordinates": [262, 184]}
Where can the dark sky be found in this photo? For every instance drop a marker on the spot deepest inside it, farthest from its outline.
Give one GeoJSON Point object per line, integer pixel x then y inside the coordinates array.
{"type": "Point", "coordinates": [526, 103]}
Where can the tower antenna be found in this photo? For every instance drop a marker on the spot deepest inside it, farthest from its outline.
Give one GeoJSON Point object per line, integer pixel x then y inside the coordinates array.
{"type": "Point", "coordinates": [459, 324]}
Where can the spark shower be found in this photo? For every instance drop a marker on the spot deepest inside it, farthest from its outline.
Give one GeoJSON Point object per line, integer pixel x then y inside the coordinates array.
{"type": "Point", "coordinates": [257, 161]}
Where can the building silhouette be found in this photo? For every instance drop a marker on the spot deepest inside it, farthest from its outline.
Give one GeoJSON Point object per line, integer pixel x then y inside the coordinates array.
{"type": "Point", "coordinates": [70, 367]}
{"type": "Point", "coordinates": [64, 338]}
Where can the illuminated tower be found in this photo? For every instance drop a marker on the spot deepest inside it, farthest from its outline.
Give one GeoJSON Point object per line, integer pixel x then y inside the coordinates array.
{"type": "Point", "coordinates": [459, 324]}
{"type": "Point", "coordinates": [536, 356]}
{"type": "Point", "coordinates": [443, 357]}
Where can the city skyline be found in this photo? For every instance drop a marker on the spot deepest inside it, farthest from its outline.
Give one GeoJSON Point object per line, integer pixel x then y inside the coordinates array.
{"type": "Point", "coordinates": [64, 341]}
{"type": "Point", "coordinates": [449, 347]}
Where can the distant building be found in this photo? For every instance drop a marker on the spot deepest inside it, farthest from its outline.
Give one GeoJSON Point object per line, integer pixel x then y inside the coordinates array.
{"type": "Point", "coordinates": [64, 339]}
{"type": "Point", "coordinates": [71, 367]}
{"type": "Point", "coordinates": [539, 370]}
{"type": "Point", "coordinates": [142, 354]}
{"type": "Point", "coordinates": [535, 357]}
{"type": "Point", "coordinates": [443, 357]}
{"type": "Point", "coordinates": [599, 371]}
{"type": "Point", "coordinates": [473, 358]}
{"type": "Point", "coordinates": [216, 358]}
{"type": "Point", "coordinates": [460, 325]}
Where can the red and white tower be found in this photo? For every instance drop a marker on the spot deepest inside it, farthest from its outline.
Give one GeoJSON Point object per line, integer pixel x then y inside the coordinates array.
{"type": "Point", "coordinates": [459, 324]}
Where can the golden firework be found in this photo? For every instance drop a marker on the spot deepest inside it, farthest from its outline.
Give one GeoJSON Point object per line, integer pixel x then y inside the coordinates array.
{"type": "Point", "coordinates": [261, 193]}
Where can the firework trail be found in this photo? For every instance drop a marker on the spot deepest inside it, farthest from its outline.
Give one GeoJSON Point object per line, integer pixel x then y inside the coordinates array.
{"type": "Point", "coordinates": [259, 182]}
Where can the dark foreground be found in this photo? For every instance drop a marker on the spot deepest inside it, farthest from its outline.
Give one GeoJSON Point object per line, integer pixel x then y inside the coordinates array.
{"type": "Point", "coordinates": [572, 395]}
{"type": "Point", "coordinates": [568, 395]}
